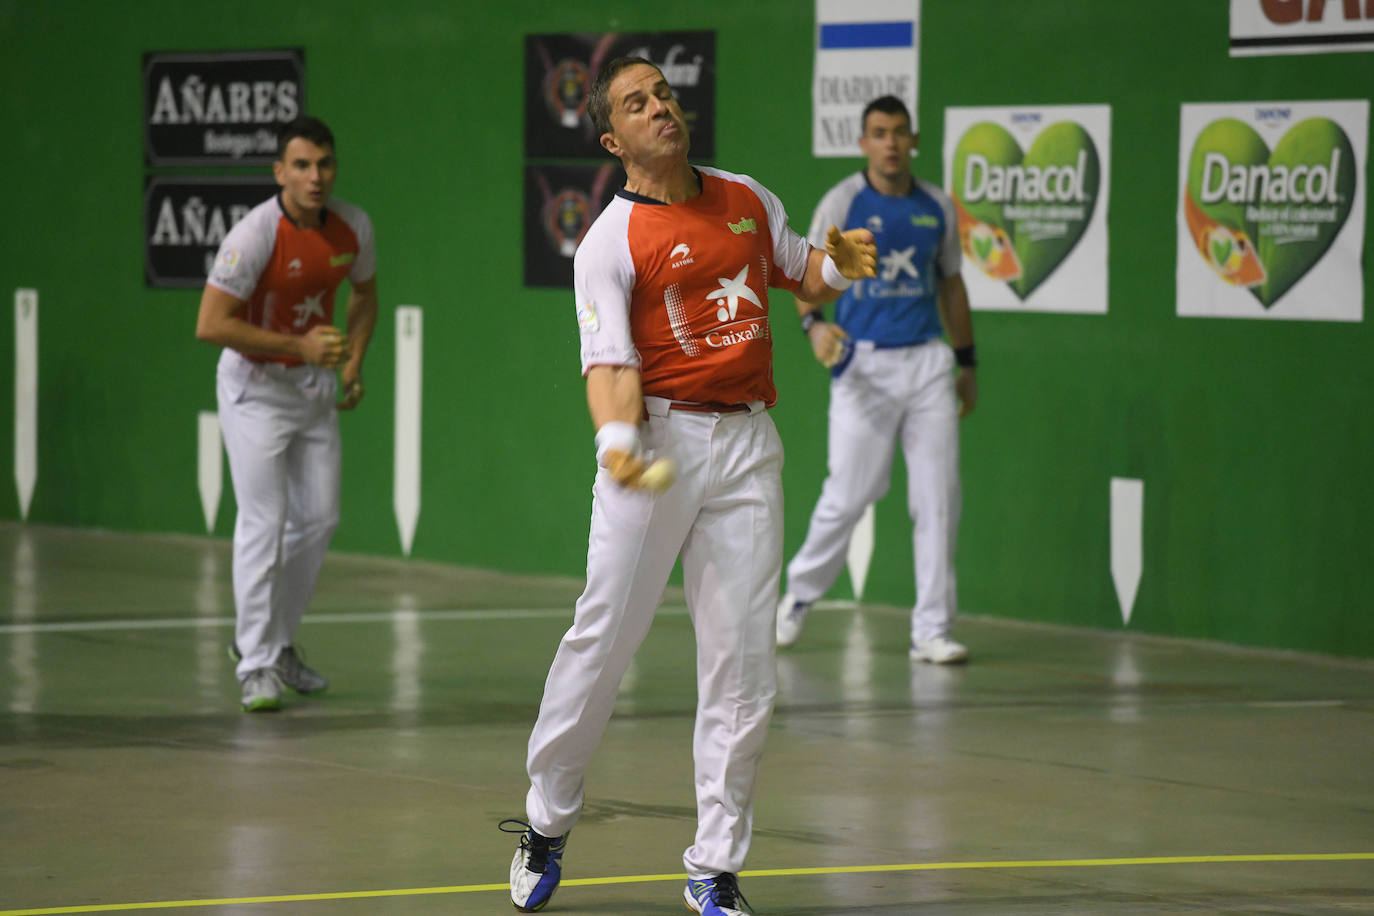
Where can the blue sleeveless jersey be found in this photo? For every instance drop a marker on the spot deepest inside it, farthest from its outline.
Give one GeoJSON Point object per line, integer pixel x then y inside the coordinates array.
{"type": "Point", "coordinates": [918, 243]}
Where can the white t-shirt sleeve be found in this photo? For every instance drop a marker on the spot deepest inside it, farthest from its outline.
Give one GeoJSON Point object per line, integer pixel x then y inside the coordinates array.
{"type": "Point", "coordinates": [790, 250]}
{"type": "Point", "coordinates": [365, 264]}
{"type": "Point", "coordinates": [833, 210]}
{"type": "Point", "coordinates": [950, 256]}
{"type": "Point", "coordinates": [603, 279]}
{"type": "Point", "coordinates": [245, 251]}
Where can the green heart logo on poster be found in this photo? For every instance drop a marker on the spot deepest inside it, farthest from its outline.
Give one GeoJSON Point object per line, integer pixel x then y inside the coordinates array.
{"type": "Point", "coordinates": [1021, 214]}
{"type": "Point", "coordinates": [1263, 219]}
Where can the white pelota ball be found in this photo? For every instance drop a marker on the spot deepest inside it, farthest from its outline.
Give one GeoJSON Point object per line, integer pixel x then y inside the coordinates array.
{"type": "Point", "coordinates": [659, 475]}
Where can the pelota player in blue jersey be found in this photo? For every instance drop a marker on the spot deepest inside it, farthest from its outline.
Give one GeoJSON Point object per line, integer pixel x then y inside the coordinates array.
{"type": "Point", "coordinates": [894, 379]}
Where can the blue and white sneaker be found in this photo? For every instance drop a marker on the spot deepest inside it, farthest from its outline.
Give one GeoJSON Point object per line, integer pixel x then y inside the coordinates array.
{"type": "Point", "coordinates": [718, 896]}
{"type": "Point", "coordinates": [537, 867]}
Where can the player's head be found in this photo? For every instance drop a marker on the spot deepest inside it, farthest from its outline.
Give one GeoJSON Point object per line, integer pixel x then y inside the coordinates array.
{"type": "Point", "coordinates": [305, 166]}
{"type": "Point", "coordinates": [887, 139]}
{"type": "Point", "coordinates": [635, 111]}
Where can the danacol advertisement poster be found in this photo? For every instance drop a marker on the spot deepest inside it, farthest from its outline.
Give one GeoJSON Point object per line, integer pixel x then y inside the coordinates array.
{"type": "Point", "coordinates": [1030, 187]}
{"type": "Point", "coordinates": [1271, 210]}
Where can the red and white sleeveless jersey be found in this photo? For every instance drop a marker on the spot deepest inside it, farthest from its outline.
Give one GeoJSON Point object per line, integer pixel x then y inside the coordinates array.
{"type": "Point", "coordinates": [288, 275]}
{"type": "Point", "coordinates": [680, 291]}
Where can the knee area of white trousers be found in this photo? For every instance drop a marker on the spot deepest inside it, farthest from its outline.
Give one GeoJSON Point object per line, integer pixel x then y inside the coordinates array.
{"type": "Point", "coordinates": [322, 526]}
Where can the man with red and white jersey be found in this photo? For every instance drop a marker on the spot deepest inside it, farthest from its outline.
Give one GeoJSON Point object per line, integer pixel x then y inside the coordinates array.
{"type": "Point", "coordinates": [671, 287]}
{"type": "Point", "coordinates": [269, 301]}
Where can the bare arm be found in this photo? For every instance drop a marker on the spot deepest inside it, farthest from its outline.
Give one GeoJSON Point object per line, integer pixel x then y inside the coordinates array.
{"type": "Point", "coordinates": [219, 323]}
{"type": "Point", "coordinates": [360, 319]}
{"type": "Point", "coordinates": [616, 402]}
{"type": "Point", "coordinates": [957, 318]}
{"type": "Point", "coordinates": [613, 393]}
{"type": "Point", "coordinates": [955, 313]}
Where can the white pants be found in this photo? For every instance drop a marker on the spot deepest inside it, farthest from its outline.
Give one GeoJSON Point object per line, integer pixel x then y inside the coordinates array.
{"type": "Point", "coordinates": [281, 431]}
{"type": "Point", "coordinates": [883, 394]}
{"type": "Point", "coordinates": [724, 517]}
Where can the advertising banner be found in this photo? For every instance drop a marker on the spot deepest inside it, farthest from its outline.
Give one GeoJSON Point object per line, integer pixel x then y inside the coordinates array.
{"type": "Point", "coordinates": [561, 202]}
{"type": "Point", "coordinates": [1301, 26]}
{"type": "Point", "coordinates": [1030, 187]}
{"type": "Point", "coordinates": [185, 218]}
{"type": "Point", "coordinates": [1271, 210]}
{"type": "Point", "coordinates": [219, 108]}
{"type": "Point", "coordinates": [559, 70]}
{"type": "Point", "coordinates": [864, 49]}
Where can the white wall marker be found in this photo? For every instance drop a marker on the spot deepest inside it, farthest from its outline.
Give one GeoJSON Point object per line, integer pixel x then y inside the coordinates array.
{"type": "Point", "coordinates": [210, 467]}
{"type": "Point", "coordinates": [1128, 510]}
{"type": "Point", "coordinates": [405, 493]}
{"type": "Point", "coordinates": [25, 396]}
{"type": "Point", "coordinates": [861, 552]}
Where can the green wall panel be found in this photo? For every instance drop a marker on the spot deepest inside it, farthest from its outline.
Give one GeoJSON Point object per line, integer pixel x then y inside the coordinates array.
{"type": "Point", "coordinates": [1253, 438]}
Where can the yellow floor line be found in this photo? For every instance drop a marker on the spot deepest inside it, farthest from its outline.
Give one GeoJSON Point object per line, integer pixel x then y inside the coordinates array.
{"type": "Point", "coordinates": [756, 873]}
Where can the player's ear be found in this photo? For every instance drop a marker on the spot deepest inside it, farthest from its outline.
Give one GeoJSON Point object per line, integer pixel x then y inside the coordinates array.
{"type": "Point", "coordinates": [608, 141]}
{"type": "Point", "coordinates": [279, 172]}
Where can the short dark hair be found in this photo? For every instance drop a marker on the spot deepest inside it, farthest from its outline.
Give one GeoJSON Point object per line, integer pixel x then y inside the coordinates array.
{"type": "Point", "coordinates": [598, 99]}
{"type": "Point", "coordinates": [307, 128]}
{"type": "Point", "coordinates": [887, 104]}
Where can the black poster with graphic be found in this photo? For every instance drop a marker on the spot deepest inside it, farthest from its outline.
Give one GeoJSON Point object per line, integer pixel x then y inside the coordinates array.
{"type": "Point", "coordinates": [561, 201]}
{"type": "Point", "coordinates": [559, 70]}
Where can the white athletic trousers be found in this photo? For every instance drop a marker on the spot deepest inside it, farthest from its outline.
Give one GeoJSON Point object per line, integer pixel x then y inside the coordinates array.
{"type": "Point", "coordinates": [281, 431]}
{"type": "Point", "coordinates": [724, 516]}
{"type": "Point", "coordinates": [881, 395]}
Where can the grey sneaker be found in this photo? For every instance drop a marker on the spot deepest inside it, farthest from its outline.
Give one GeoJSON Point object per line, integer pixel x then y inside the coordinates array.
{"type": "Point", "coordinates": [291, 670]}
{"type": "Point", "coordinates": [261, 691]}
{"type": "Point", "coordinates": [940, 651]}
{"type": "Point", "coordinates": [294, 673]}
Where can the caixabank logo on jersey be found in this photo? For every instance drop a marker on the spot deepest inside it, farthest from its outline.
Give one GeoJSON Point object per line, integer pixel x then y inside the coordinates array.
{"type": "Point", "coordinates": [1030, 189]}
{"type": "Point", "coordinates": [186, 218]}
{"type": "Point", "coordinates": [219, 108]}
{"type": "Point", "coordinates": [1271, 210]}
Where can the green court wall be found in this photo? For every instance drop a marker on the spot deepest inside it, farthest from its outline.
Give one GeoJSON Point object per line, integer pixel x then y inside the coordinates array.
{"type": "Point", "coordinates": [1253, 438]}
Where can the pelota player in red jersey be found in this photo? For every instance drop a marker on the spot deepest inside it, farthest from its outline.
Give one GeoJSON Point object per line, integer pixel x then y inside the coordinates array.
{"type": "Point", "coordinates": [671, 287]}
{"type": "Point", "coordinates": [269, 302]}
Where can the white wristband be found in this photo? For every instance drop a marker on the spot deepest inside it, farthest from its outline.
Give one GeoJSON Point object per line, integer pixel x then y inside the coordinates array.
{"type": "Point", "coordinates": [832, 276]}
{"type": "Point", "coordinates": [618, 435]}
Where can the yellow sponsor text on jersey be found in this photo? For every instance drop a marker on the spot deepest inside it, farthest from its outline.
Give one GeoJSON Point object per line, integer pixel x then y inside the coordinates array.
{"type": "Point", "coordinates": [339, 260]}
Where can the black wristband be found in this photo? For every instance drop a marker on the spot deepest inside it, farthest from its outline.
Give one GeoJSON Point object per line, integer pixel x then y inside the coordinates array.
{"type": "Point", "coordinates": [964, 357]}
{"type": "Point", "coordinates": [808, 321]}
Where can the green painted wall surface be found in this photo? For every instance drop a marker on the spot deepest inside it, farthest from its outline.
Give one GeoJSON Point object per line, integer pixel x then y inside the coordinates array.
{"type": "Point", "coordinates": [1253, 438]}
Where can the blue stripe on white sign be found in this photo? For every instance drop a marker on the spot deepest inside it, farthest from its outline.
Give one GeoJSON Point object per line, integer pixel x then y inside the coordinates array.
{"type": "Point", "coordinates": [839, 35]}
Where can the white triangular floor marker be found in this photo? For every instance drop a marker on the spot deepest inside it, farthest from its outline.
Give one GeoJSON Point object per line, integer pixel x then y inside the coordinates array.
{"type": "Point", "coordinates": [1127, 524]}
{"type": "Point", "coordinates": [861, 552]}
{"type": "Point", "coordinates": [405, 492]}
{"type": "Point", "coordinates": [210, 466]}
{"type": "Point", "coordinates": [25, 396]}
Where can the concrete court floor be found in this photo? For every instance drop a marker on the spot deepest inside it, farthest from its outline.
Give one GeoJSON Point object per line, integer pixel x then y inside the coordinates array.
{"type": "Point", "coordinates": [129, 777]}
